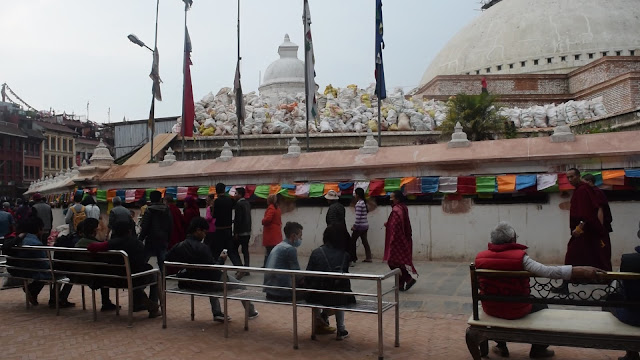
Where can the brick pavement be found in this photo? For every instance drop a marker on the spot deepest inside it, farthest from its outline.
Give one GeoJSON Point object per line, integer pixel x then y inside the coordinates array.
{"type": "Point", "coordinates": [433, 321]}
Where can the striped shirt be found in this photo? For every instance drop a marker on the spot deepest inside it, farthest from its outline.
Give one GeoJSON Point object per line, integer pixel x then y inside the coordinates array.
{"type": "Point", "coordinates": [361, 216]}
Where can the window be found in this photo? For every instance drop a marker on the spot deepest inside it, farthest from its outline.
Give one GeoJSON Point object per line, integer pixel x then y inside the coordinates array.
{"type": "Point", "coordinates": [618, 53]}
{"type": "Point", "coordinates": [632, 53]}
{"type": "Point", "coordinates": [18, 167]}
{"type": "Point", "coordinates": [46, 143]}
{"type": "Point", "coordinates": [523, 63]}
{"type": "Point", "coordinates": [64, 144]}
{"type": "Point", "coordinates": [37, 170]}
{"type": "Point", "coordinates": [60, 144]}
{"type": "Point", "coordinates": [535, 62]}
{"type": "Point", "coordinates": [511, 66]}
{"type": "Point", "coordinates": [499, 67]}
{"type": "Point", "coordinates": [71, 145]}
{"type": "Point", "coordinates": [549, 60]}
{"type": "Point", "coordinates": [26, 172]}
{"type": "Point", "coordinates": [577, 57]}
{"type": "Point", "coordinates": [10, 142]}
{"type": "Point", "coordinates": [591, 55]}
{"type": "Point", "coordinates": [468, 73]}
{"type": "Point", "coordinates": [32, 172]}
{"type": "Point", "coordinates": [563, 58]}
{"type": "Point", "coordinates": [605, 53]}
{"type": "Point", "coordinates": [477, 72]}
{"type": "Point", "coordinates": [64, 161]}
{"type": "Point", "coordinates": [46, 161]}
{"type": "Point", "coordinates": [488, 70]}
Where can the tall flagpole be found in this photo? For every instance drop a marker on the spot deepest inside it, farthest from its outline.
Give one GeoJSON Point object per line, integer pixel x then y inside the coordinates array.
{"type": "Point", "coordinates": [239, 103]}
{"type": "Point", "coordinates": [153, 90]}
{"type": "Point", "coordinates": [306, 71]}
{"type": "Point", "coordinates": [379, 85]}
{"type": "Point", "coordinates": [184, 68]}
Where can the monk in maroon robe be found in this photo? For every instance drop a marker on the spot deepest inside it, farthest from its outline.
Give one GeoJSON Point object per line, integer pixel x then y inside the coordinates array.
{"type": "Point", "coordinates": [178, 233]}
{"type": "Point", "coordinates": [589, 237]}
{"type": "Point", "coordinates": [398, 246]}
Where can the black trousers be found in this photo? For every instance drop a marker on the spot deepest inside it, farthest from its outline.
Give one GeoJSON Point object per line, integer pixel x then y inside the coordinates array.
{"type": "Point", "coordinates": [223, 239]}
{"type": "Point", "coordinates": [243, 243]}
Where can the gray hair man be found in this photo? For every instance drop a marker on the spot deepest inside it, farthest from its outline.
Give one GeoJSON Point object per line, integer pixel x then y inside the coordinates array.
{"type": "Point", "coordinates": [118, 213]}
{"type": "Point", "coordinates": [504, 253]}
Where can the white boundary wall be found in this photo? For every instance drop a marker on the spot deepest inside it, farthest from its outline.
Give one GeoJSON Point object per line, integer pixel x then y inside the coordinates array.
{"type": "Point", "coordinates": [441, 236]}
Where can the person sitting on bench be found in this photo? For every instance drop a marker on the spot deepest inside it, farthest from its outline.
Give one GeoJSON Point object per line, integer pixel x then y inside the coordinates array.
{"type": "Point", "coordinates": [193, 251]}
{"type": "Point", "coordinates": [505, 254]}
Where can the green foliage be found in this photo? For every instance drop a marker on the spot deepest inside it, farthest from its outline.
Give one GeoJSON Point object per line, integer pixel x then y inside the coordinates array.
{"type": "Point", "coordinates": [597, 129]}
{"type": "Point", "coordinates": [477, 114]}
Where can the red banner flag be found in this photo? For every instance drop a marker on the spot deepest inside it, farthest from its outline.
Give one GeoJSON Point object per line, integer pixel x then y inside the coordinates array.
{"type": "Point", "coordinates": [189, 106]}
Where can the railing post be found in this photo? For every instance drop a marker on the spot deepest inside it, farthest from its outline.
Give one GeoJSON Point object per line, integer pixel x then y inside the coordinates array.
{"type": "Point", "coordinates": [397, 296]}
{"type": "Point", "coordinates": [380, 333]}
{"type": "Point", "coordinates": [163, 295]}
{"type": "Point", "coordinates": [224, 299]}
{"type": "Point", "coordinates": [295, 311]}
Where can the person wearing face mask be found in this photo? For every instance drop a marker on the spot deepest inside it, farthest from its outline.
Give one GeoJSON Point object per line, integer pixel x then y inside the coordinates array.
{"type": "Point", "coordinates": [284, 256]}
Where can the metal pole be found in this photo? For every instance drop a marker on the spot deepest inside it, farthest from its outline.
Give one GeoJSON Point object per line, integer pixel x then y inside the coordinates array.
{"type": "Point", "coordinates": [306, 72]}
{"type": "Point", "coordinates": [184, 69]}
{"type": "Point", "coordinates": [239, 102]}
{"type": "Point", "coordinates": [153, 101]}
{"type": "Point", "coordinates": [379, 87]}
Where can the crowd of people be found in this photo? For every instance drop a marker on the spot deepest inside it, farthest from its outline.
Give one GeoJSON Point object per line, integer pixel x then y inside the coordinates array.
{"type": "Point", "coordinates": [225, 231]}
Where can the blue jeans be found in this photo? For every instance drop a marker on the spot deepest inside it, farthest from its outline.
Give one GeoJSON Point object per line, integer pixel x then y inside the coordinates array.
{"type": "Point", "coordinates": [232, 283]}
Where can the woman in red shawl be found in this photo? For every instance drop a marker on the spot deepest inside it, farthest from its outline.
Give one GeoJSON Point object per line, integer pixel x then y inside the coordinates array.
{"type": "Point", "coordinates": [191, 210]}
{"type": "Point", "coordinates": [398, 245]}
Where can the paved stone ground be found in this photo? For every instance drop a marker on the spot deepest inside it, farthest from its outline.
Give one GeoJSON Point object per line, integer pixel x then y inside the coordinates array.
{"type": "Point", "coordinates": [432, 320]}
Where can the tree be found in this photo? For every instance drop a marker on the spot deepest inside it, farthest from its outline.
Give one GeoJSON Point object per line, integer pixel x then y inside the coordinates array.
{"type": "Point", "coordinates": [477, 114]}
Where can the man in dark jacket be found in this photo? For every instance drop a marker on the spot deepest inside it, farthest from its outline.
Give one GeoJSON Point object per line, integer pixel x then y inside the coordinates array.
{"type": "Point", "coordinates": [193, 251]}
{"type": "Point", "coordinates": [118, 213]}
{"type": "Point", "coordinates": [222, 211]}
{"type": "Point", "coordinates": [156, 228]}
{"type": "Point", "coordinates": [155, 232]}
{"type": "Point", "coordinates": [242, 227]}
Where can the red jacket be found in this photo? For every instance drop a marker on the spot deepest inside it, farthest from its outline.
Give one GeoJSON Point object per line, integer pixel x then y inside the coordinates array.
{"type": "Point", "coordinates": [504, 257]}
{"type": "Point", "coordinates": [272, 232]}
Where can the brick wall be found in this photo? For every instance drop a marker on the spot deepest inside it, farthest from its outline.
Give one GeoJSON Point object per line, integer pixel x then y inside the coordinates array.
{"type": "Point", "coordinates": [601, 71]}
{"type": "Point", "coordinates": [616, 79]}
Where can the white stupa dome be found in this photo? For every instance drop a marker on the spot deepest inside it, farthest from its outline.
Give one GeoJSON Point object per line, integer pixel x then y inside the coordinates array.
{"type": "Point", "coordinates": [285, 74]}
{"type": "Point", "coordinates": [542, 36]}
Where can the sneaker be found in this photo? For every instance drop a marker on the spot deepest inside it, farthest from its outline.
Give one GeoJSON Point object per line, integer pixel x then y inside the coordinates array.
{"type": "Point", "coordinates": [252, 315]}
{"type": "Point", "coordinates": [342, 334]}
{"type": "Point", "coordinates": [324, 330]}
{"type": "Point", "coordinates": [544, 353]}
{"type": "Point", "coordinates": [220, 318]}
{"type": "Point", "coordinates": [367, 260]}
{"type": "Point", "coordinates": [63, 304]}
{"type": "Point", "coordinates": [154, 311]}
{"type": "Point", "coordinates": [409, 284]}
{"type": "Point", "coordinates": [109, 307]}
{"type": "Point", "coordinates": [501, 350]}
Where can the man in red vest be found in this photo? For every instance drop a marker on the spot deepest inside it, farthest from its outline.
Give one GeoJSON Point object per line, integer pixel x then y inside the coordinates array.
{"type": "Point", "coordinates": [505, 254]}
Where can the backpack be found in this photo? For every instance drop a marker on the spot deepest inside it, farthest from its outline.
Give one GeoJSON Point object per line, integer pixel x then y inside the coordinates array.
{"type": "Point", "coordinates": [78, 217]}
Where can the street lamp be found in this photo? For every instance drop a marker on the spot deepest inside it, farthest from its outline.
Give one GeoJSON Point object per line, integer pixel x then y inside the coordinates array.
{"type": "Point", "coordinates": [134, 39]}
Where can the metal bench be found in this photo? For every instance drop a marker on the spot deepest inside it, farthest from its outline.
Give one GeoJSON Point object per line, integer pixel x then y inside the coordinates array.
{"type": "Point", "coordinates": [576, 320]}
{"type": "Point", "coordinates": [369, 303]}
{"type": "Point", "coordinates": [80, 267]}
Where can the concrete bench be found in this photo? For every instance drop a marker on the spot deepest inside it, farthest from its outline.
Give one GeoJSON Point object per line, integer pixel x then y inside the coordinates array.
{"type": "Point", "coordinates": [369, 303]}
{"type": "Point", "coordinates": [572, 323]}
{"type": "Point", "coordinates": [80, 267]}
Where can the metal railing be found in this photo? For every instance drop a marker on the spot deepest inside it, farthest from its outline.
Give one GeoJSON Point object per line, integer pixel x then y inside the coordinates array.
{"type": "Point", "coordinates": [230, 294]}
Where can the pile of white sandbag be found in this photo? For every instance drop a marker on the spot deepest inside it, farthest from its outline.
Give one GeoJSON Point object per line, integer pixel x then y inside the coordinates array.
{"type": "Point", "coordinates": [339, 111]}
{"type": "Point", "coordinates": [549, 115]}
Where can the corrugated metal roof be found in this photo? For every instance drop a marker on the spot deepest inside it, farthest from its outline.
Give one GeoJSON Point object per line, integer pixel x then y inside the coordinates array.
{"type": "Point", "coordinates": [54, 127]}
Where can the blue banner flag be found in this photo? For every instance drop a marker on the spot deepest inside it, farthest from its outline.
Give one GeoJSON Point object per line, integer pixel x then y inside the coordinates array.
{"type": "Point", "coordinates": [381, 90]}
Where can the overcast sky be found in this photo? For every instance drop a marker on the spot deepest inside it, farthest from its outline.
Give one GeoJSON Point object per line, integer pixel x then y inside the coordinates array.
{"type": "Point", "coordinates": [62, 54]}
